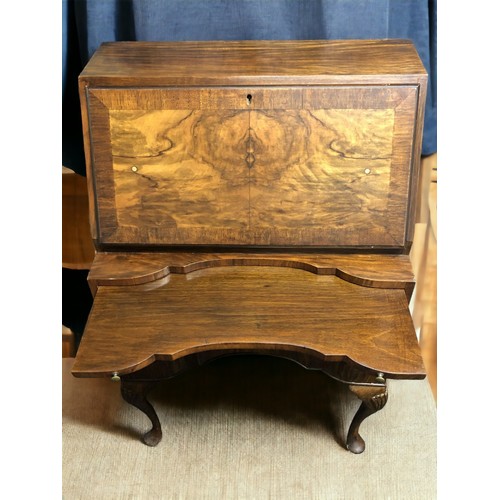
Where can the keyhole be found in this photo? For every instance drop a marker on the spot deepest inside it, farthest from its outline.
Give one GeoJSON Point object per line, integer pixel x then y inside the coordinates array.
{"type": "Point", "coordinates": [249, 99]}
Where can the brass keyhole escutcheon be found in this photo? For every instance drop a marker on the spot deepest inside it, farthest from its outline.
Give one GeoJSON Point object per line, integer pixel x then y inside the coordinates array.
{"type": "Point", "coordinates": [249, 99]}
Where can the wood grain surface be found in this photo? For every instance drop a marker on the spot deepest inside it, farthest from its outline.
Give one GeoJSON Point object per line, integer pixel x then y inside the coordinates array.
{"type": "Point", "coordinates": [277, 62]}
{"type": "Point", "coordinates": [134, 268]}
{"type": "Point", "coordinates": [249, 308]}
{"type": "Point", "coordinates": [77, 248]}
{"type": "Point", "coordinates": [251, 170]}
{"type": "Point", "coordinates": [330, 169]}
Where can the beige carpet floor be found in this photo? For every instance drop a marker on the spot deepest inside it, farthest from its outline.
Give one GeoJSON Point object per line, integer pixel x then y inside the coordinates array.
{"type": "Point", "coordinates": [246, 428]}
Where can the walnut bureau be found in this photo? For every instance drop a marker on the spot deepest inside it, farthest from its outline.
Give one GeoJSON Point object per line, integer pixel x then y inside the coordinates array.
{"type": "Point", "coordinates": [252, 197]}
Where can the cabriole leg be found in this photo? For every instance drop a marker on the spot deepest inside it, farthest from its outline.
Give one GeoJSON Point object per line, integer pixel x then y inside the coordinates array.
{"type": "Point", "coordinates": [373, 399]}
{"type": "Point", "coordinates": [135, 393]}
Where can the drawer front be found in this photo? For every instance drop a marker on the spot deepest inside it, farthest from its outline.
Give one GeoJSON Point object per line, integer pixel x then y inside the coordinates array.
{"type": "Point", "coordinates": [265, 166]}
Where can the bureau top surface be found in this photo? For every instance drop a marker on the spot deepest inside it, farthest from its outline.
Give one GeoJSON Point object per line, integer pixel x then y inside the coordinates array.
{"type": "Point", "coordinates": [246, 62]}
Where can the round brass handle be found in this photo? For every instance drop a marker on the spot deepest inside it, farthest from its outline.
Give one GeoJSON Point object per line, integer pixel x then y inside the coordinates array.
{"type": "Point", "coordinates": [115, 377]}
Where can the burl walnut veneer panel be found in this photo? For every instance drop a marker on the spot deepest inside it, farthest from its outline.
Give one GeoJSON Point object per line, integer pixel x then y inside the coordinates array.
{"type": "Point", "coordinates": [332, 169]}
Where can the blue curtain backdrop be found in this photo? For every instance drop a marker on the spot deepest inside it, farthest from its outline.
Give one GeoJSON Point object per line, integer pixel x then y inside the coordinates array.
{"type": "Point", "coordinates": [88, 23]}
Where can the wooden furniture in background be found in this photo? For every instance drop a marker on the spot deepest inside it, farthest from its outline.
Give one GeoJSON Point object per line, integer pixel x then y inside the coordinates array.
{"type": "Point", "coordinates": [68, 343]}
{"type": "Point", "coordinates": [77, 247]}
{"type": "Point", "coordinates": [253, 197]}
{"type": "Point", "coordinates": [424, 260]}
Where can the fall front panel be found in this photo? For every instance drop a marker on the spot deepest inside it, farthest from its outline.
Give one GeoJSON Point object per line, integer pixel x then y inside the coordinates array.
{"type": "Point", "coordinates": [326, 166]}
